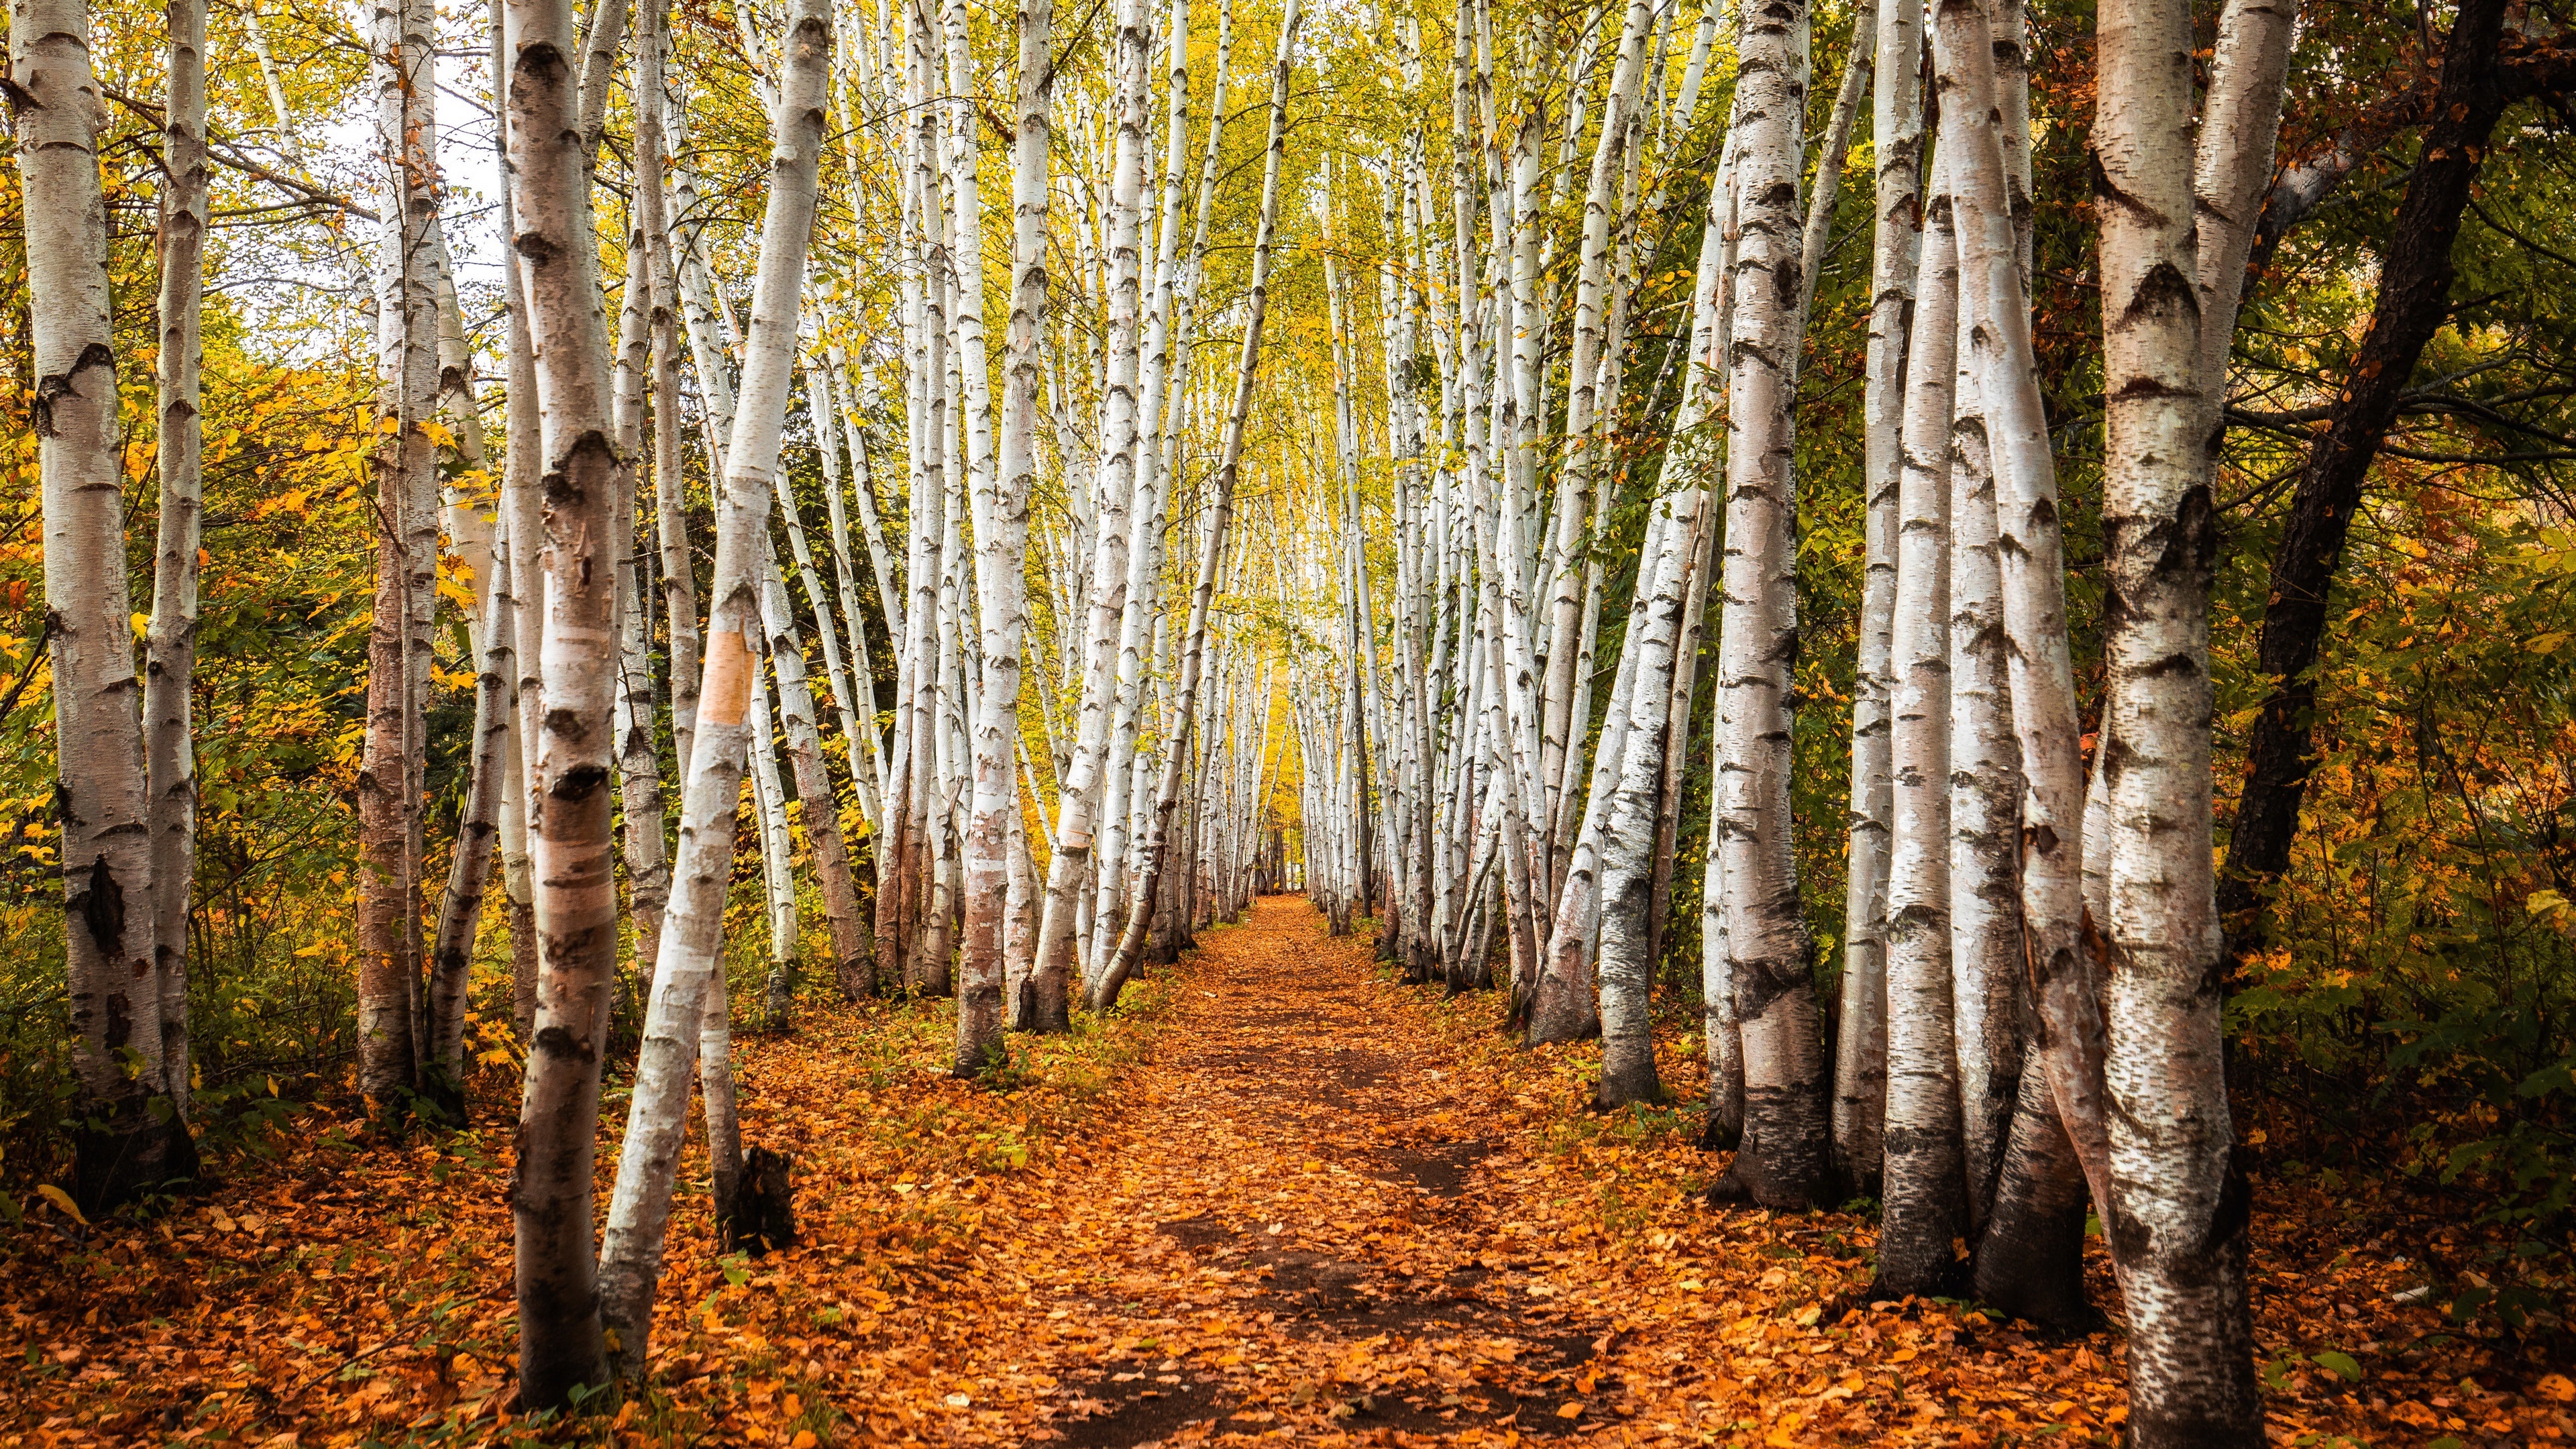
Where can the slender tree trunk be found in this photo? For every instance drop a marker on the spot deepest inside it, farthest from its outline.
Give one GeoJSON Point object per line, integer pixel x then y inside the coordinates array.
{"type": "Point", "coordinates": [1988, 984]}
{"type": "Point", "coordinates": [996, 853]}
{"type": "Point", "coordinates": [390, 1015]}
{"type": "Point", "coordinates": [2033, 576]}
{"type": "Point", "coordinates": [1627, 965]}
{"type": "Point", "coordinates": [777, 866]}
{"type": "Point", "coordinates": [1860, 1040]}
{"type": "Point", "coordinates": [170, 644]}
{"type": "Point", "coordinates": [803, 744]}
{"type": "Point", "coordinates": [639, 769]}
{"type": "Point", "coordinates": [688, 994]}
{"type": "Point", "coordinates": [1925, 1180]}
{"type": "Point", "coordinates": [1783, 1160]}
{"type": "Point", "coordinates": [521, 534]}
{"type": "Point", "coordinates": [460, 907]}
{"type": "Point", "coordinates": [1131, 942]}
{"type": "Point", "coordinates": [1050, 983]}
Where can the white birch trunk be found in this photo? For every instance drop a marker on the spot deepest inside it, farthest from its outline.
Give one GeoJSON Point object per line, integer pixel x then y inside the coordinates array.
{"type": "Point", "coordinates": [170, 643]}
{"type": "Point", "coordinates": [571, 849]}
{"type": "Point", "coordinates": [1627, 960]}
{"type": "Point", "coordinates": [997, 875]}
{"type": "Point", "coordinates": [1783, 1159]}
{"type": "Point", "coordinates": [1896, 121]}
{"type": "Point", "coordinates": [1925, 1184]}
{"type": "Point", "coordinates": [2040, 668]}
{"type": "Point", "coordinates": [2177, 1210]}
{"type": "Point", "coordinates": [115, 994]}
{"type": "Point", "coordinates": [1131, 943]}
{"type": "Point", "coordinates": [687, 999]}
{"type": "Point", "coordinates": [1114, 481]}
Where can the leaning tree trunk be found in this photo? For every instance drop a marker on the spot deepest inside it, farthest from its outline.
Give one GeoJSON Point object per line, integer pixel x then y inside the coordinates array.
{"type": "Point", "coordinates": [1131, 941]}
{"type": "Point", "coordinates": [1627, 967]}
{"type": "Point", "coordinates": [170, 646]}
{"type": "Point", "coordinates": [692, 932]}
{"type": "Point", "coordinates": [115, 995]}
{"type": "Point", "coordinates": [1782, 1161]}
{"type": "Point", "coordinates": [571, 848]}
{"type": "Point", "coordinates": [2413, 304]}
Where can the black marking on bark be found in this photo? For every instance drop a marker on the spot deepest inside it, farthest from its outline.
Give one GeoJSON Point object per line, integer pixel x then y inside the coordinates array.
{"type": "Point", "coordinates": [53, 385]}
{"type": "Point", "coordinates": [580, 782]}
{"type": "Point", "coordinates": [2191, 543]}
{"type": "Point", "coordinates": [120, 1020]}
{"type": "Point", "coordinates": [100, 908]}
{"type": "Point", "coordinates": [2163, 292]}
{"type": "Point", "coordinates": [560, 1042]}
{"type": "Point", "coordinates": [2104, 191]}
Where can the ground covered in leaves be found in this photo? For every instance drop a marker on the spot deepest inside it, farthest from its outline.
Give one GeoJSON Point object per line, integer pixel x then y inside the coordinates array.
{"type": "Point", "coordinates": [1281, 1196]}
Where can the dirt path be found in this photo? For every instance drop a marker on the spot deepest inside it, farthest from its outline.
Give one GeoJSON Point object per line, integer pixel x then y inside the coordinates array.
{"type": "Point", "coordinates": [1310, 1190]}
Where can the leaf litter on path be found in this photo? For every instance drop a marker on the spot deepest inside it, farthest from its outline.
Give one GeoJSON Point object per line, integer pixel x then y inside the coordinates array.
{"type": "Point", "coordinates": [1282, 1197]}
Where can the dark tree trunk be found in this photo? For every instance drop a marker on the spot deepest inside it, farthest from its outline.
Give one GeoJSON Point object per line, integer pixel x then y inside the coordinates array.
{"type": "Point", "coordinates": [2413, 303]}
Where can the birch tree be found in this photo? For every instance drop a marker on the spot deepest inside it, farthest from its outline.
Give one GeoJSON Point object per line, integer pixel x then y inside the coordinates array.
{"type": "Point", "coordinates": [687, 979]}
{"type": "Point", "coordinates": [100, 780]}
{"type": "Point", "coordinates": [571, 849]}
{"type": "Point", "coordinates": [1782, 1161]}
{"type": "Point", "coordinates": [996, 884]}
{"type": "Point", "coordinates": [170, 642]}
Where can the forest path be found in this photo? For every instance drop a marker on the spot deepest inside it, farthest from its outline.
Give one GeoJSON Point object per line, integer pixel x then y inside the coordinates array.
{"type": "Point", "coordinates": [1307, 1230]}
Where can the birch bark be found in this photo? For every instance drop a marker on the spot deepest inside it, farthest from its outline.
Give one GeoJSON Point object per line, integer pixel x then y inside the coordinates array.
{"type": "Point", "coordinates": [170, 643]}
{"type": "Point", "coordinates": [389, 989]}
{"type": "Point", "coordinates": [1925, 1181]}
{"type": "Point", "coordinates": [1896, 124]}
{"type": "Point", "coordinates": [1047, 1007]}
{"type": "Point", "coordinates": [997, 886]}
{"type": "Point", "coordinates": [571, 847]}
{"type": "Point", "coordinates": [1627, 962]}
{"type": "Point", "coordinates": [100, 774]}
{"type": "Point", "coordinates": [1131, 943]}
{"type": "Point", "coordinates": [687, 991]}
{"type": "Point", "coordinates": [2176, 1213]}
{"type": "Point", "coordinates": [1782, 1161]}
{"type": "Point", "coordinates": [2033, 577]}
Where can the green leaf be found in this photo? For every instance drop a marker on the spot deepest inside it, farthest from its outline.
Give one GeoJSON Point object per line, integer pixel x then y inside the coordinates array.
{"type": "Point", "coordinates": [2339, 1364]}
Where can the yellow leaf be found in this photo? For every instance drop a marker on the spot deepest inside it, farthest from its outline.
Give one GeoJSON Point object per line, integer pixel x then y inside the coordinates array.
{"type": "Point", "coordinates": [142, 625]}
{"type": "Point", "coordinates": [63, 1200]}
{"type": "Point", "coordinates": [804, 1440]}
{"type": "Point", "coordinates": [2557, 1387]}
{"type": "Point", "coordinates": [1569, 1410]}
